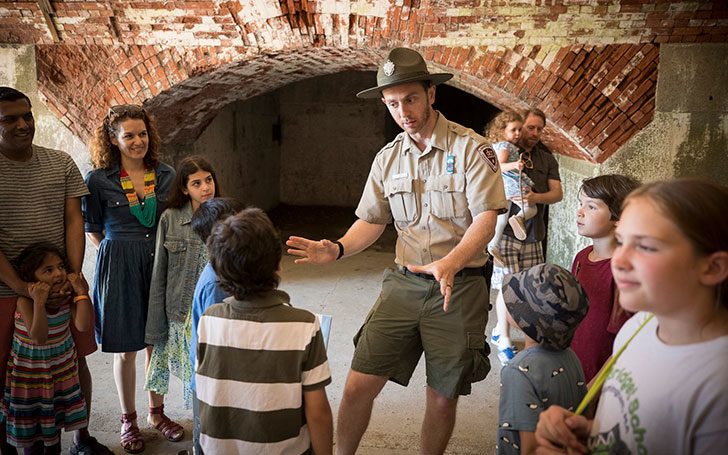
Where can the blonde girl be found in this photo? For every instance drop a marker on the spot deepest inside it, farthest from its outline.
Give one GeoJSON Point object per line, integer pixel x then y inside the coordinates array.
{"type": "Point", "coordinates": [504, 131]}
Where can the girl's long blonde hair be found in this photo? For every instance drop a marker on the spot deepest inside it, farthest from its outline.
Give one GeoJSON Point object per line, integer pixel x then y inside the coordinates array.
{"type": "Point", "coordinates": [698, 209]}
{"type": "Point", "coordinates": [493, 131]}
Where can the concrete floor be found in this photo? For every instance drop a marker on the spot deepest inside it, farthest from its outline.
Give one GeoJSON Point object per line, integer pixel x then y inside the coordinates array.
{"type": "Point", "coordinates": [346, 290]}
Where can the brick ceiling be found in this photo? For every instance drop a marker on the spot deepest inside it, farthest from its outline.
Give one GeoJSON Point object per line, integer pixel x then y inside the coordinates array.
{"type": "Point", "coordinates": [591, 65]}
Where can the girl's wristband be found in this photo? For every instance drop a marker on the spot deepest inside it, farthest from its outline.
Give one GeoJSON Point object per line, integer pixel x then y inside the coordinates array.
{"type": "Point", "coordinates": [80, 297]}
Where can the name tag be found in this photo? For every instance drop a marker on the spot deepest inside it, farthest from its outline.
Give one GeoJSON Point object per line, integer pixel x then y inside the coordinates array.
{"type": "Point", "coordinates": [400, 176]}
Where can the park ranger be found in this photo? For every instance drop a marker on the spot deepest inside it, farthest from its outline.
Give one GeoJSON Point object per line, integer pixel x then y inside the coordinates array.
{"type": "Point", "coordinates": [440, 184]}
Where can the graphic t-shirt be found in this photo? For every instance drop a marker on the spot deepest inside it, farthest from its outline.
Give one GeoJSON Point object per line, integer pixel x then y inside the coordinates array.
{"type": "Point", "coordinates": [661, 399]}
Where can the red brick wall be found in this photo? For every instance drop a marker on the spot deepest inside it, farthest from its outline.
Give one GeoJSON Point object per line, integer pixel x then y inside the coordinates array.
{"type": "Point", "coordinates": [590, 65]}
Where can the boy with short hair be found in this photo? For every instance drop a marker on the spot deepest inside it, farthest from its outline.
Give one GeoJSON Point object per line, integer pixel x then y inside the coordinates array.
{"type": "Point", "coordinates": [207, 290]}
{"type": "Point", "coordinates": [261, 366]}
{"type": "Point", "coordinates": [547, 304]}
{"type": "Point", "coordinates": [600, 206]}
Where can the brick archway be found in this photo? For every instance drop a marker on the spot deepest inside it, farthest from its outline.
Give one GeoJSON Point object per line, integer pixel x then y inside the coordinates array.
{"type": "Point", "coordinates": [596, 98]}
{"type": "Point", "coordinates": [592, 68]}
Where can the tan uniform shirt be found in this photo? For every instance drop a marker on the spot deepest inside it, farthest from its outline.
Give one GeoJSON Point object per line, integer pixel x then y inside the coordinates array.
{"type": "Point", "coordinates": [432, 206]}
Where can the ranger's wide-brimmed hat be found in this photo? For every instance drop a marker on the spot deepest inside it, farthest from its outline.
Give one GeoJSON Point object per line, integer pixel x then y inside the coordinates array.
{"type": "Point", "coordinates": [402, 65]}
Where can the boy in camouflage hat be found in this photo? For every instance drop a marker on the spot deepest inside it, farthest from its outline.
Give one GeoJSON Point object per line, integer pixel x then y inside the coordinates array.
{"type": "Point", "coordinates": [547, 303]}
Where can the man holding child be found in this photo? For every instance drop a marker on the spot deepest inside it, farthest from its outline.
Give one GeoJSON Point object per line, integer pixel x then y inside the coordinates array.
{"type": "Point", "coordinates": [440, 184]}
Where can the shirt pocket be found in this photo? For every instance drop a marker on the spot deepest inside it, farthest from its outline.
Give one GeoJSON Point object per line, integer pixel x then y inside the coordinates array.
{"type": "Point", "coordinates": [176, 255]}
{"type": "Point", "coordinates": [114, 199]}
{"type": "Point", "coordinates": [447, 196]}
{"type": "Point", "coordinates": [401, 199]}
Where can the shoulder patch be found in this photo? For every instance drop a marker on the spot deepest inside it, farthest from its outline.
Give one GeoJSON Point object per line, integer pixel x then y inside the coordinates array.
{"type": "Point", "coordinates": [487, 153]}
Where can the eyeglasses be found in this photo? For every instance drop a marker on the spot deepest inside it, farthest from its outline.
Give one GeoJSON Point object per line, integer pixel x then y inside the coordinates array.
{"type": "Point", "coordinates": [125, 109]}
{"type": "Point", "coordinates": [526, 158]}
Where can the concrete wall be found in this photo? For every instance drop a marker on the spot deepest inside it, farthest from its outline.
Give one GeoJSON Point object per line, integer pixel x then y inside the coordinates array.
{"type": "Point", "coordinates": [687, 137]}
{"type": "Point", "coordinates": [308, 143]}
{"type": "Point", "coordinates": [18, 70]}
{"type": "Point", "coordinates": [240, 145]}
{"type": "Point", "coordinates": [329, 139]}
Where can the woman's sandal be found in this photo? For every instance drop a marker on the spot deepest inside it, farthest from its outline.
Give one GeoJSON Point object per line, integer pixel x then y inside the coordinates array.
{"type": "Point", "coordinates": [131, 435]}
{"type": "Point", "coordinates": [167, 427]}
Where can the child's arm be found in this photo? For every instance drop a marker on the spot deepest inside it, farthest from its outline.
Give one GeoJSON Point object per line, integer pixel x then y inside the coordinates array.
{"type": "Point", "coordinates": [320, 421]}
{"type": "Point", "coordinates": [33, 312]}
{"type": "Point", "coordinates": [528, 442]}
{"type": "Point", "coordinates": [504, 164]}
{"type": "Point", "coordinates": [81, 307]}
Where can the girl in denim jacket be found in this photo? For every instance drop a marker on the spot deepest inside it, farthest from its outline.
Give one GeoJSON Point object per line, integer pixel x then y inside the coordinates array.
{"type": "Point", "coordinates": [179, 258]}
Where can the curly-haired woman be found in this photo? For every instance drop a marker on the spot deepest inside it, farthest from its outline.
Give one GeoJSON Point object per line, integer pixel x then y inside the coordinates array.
{"type": "Point", "coordinates": [128, 187]}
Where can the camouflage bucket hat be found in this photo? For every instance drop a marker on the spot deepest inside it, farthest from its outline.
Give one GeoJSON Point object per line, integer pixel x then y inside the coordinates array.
{"type": "Point", "coordinates": [547, 303]}
{"type": "Point", "coordinates": [402, 65]}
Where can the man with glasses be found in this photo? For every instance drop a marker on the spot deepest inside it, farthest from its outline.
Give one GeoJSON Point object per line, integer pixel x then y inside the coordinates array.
{"type": "Point", "coordinates": [41, 201]}
{"type": "Point", "coordinates": [526, 251]}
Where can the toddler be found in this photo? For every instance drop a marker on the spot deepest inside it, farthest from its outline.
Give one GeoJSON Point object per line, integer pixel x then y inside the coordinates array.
{"type": "Point", "coordinates": [42, 392]}
{"type": "Point", "coordinates": [504, 131]}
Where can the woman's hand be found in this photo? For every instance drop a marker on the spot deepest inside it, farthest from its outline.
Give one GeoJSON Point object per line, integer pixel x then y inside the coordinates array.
{"type": "Point", "coordinates": [80, 286]}
{"type": "Point", "coordinates": [559, 430]}
{"type": "Point", "coordinates": [39, 292]}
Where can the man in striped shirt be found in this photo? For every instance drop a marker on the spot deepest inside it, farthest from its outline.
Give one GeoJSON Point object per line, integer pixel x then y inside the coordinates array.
{"type": "Point", "coordinates": [261, 366]}
{"type": "Point", "coordinates": [40, 200]}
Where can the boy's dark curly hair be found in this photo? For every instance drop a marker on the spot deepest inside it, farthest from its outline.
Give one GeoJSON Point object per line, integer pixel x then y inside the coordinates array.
{"type": "Point", "coordinates": [245, 253]}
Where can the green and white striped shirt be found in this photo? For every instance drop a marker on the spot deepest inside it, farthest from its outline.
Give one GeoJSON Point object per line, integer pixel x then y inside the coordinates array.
{"type": "Point", "coordinates": [255, 358]}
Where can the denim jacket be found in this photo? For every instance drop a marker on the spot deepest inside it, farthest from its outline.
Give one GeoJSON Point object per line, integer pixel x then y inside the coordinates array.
{"type": "Point", "coordinates": [179, 258]}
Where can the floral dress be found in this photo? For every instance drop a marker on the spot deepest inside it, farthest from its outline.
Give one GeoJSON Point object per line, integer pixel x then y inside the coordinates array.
{"type": "Point", "coordinates": [179, 258]}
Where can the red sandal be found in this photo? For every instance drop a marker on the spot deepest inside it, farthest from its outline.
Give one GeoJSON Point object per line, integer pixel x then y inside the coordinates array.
{"type": "Point", "coordinates": [167, 427]}
{"type": "Point", "coordinates": [130, 434]}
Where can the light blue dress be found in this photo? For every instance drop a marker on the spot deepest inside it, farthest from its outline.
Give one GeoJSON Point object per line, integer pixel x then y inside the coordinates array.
{"type": "Point", "coordinates": [510, 178]}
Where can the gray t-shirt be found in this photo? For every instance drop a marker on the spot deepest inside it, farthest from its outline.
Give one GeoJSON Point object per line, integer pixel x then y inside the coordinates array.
{"type": "Point", "coordinates": [533, 380]}
{"type": "Point", "coordinates": [32, 205]}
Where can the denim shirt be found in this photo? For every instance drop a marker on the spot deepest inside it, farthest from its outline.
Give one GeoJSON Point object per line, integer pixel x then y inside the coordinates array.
{"type": "Point", "coordinates": [179, 258]}
{"type": "Point", "coordinates": [106, 207]}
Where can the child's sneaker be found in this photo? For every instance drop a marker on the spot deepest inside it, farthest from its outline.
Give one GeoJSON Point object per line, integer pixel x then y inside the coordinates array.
{"type": "Point", "coordinates": [498, 259]}
{"type": "Point", "coordinates": [518, 226]}
{"type": "Point", "coordinates": [502, 344]}
{"type": "Point", "coordinates": [505, 356]}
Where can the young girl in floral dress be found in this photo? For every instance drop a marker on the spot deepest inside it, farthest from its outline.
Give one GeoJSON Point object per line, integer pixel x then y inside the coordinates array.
{"type": "Point", "coordinates": [179, 258]}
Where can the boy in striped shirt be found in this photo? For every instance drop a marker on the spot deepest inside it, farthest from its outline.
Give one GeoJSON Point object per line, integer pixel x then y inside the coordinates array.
{"type": "Point", "coordinates": [261, 366]}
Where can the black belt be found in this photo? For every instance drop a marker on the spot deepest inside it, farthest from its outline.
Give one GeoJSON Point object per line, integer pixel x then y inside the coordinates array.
{"type": "Point", "coordinates": [468, 271]}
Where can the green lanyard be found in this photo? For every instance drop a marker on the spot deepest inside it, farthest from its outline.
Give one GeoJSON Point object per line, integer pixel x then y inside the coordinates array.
{"type": "Point", "coordinates": [605, 372]}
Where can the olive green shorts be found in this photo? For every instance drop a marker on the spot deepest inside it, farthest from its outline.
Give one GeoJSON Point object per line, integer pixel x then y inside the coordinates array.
{"type": "Point", "coordinates": [408, 319]}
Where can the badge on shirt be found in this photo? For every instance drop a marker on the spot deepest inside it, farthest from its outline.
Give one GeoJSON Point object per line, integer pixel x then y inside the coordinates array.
{"type": "Point", "coordinates": [450, 164]}
{"type": "Point", "coordinates": [488, 154]}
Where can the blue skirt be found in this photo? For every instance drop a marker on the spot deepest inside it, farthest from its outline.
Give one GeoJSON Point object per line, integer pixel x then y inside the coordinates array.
{"type": "Point", "coordinates": [121, 293]}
